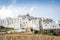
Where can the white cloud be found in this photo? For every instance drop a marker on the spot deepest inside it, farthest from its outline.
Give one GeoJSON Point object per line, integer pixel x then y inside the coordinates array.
{"type": "Point", "coordinates": [31, 9]}
{"type": "Point", "coordinates": [13, 11]}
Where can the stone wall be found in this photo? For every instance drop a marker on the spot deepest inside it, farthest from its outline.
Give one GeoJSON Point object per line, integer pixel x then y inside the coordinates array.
{"type": "Point", "coordinates": [28, 37]}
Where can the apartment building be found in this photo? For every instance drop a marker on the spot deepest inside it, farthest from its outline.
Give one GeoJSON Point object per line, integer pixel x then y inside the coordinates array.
{"type": "Point", "coordinates": [21, 22]}
{"type": "Point", "coordinates": [48, 24]}
{"type": "Point", "coordinates": [26, 22]}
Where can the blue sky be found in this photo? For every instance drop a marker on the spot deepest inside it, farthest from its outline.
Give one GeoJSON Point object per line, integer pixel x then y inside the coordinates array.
{"type": "Point", "coordinates": [38, 8]}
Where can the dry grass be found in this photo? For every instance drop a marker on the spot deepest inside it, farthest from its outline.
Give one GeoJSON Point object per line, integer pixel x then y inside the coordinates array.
{"type": "Point", "coordinates": [27, 36]}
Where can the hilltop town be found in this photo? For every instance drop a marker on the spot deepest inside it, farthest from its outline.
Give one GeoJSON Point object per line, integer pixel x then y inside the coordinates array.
{"type": "Point", "coordinates": [27, 23]}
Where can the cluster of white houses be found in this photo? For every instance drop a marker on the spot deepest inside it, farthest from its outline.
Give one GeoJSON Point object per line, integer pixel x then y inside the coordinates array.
{"type": "Point", "coordinates": [24, 22]}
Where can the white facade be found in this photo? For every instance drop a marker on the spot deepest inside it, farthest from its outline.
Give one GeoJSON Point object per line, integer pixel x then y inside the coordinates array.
{"type": "Point", "coordinates": [21, 22]}
{"type": "Point", "coordinates": [50, 25]}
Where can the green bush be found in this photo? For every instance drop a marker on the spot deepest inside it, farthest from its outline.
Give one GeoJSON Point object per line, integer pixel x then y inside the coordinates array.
{"type": "Point", "coordinates": [48, 32]}
{"type": "Point", "coordinates": [5, 28]}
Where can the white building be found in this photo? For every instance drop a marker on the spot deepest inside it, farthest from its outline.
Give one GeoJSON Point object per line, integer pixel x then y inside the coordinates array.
{"type": "Point", "coordinates": [49, 24]}
{"type": "Point", "coordinates": [21, 22]}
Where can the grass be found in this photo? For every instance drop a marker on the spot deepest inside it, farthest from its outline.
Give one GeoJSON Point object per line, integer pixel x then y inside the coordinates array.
{"type": "Point", "coordinates": [6, 29]}
{"type": "Point", "coordinates": [49, 32]}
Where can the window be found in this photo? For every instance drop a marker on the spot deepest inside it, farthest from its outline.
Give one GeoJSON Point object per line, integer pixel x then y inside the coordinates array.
{"type": "Point", "coordinates": [8, 23]}
{"type": "Point", "coordinates": [45, 25]}
{"type": "Point", "coordinates": [59, 24]}
{"type": "Point", "coordinates": [26, 22]}
{"type": "Point", "coordinates": [54, 26]}
{"type": "Point", "coordinates": [23, 22]}
{"type": "Point", "coordinates": [23, 28]}
{"type": "Point", "coordinates": [3, 21]}
{"type": "Point", "coordinates": [34, 20]}
{"type": "Point", "coordinates": [23, 18]}
{"type": "Point", "coordinates": [29, 19]}
{"type": "Point", "coordinates": [29, 22]}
